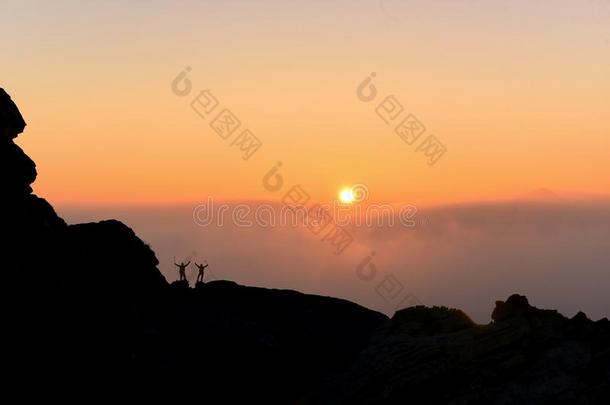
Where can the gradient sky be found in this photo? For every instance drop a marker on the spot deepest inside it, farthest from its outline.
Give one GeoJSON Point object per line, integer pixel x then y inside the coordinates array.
{"type": "Point", "coordinates": [518, 91]}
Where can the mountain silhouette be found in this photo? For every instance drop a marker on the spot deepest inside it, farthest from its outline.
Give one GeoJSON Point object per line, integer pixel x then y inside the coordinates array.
{"type": "Point", "coordinates": [541, 194]}
{"type": "Point", "coordinates": [85, 307]}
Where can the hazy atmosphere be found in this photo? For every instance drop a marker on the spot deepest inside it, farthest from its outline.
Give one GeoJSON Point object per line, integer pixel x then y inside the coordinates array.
{"type": "Point", "coordinates": [555, 252]}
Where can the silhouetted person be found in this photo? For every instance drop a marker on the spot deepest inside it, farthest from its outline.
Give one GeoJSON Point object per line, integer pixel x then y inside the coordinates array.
{"type": "Point", "coordinates": [182, 269]}
{"type": "Point", "coordinates": [201, 268]}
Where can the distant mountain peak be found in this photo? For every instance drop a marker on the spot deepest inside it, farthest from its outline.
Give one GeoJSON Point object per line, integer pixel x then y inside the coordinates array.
{"type": "Point", "coordinates": [541, 193]}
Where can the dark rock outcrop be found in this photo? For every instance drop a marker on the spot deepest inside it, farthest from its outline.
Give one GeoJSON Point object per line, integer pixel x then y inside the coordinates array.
{"type": "Point", "coordinates": [438, 356]}
{"type": "Point", "coordinates": [17, 170]}
{"type": "Point", "coordinates": [270, 344]}
{"type": "Point", "coordinates": [75, 297]}
{"type": "Point", "coordinates": [11, 121]}
{"type": "Point", "coordinates": [85, 306]}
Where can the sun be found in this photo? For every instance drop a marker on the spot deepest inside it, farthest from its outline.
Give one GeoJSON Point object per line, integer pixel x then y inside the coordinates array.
{"type": "Point", "coordinates": [346, 195]}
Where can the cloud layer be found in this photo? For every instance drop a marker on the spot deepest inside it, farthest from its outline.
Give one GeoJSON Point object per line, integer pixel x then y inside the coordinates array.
{"type": "Point", "coordinates": [467, 256]}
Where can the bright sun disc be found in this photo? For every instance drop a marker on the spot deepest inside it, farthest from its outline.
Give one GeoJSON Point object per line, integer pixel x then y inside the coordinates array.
{"type": "Point", "coordinates": [346, 196]}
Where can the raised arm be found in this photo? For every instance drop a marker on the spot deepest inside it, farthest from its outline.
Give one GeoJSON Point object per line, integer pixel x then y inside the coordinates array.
{"type": "Point", "coordinates": [186, 265]}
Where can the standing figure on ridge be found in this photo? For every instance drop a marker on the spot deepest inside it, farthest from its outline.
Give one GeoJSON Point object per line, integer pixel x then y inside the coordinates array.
{"type": "Point", "coordinates": [182, 269]}
{"type": "Point", "coordinates": [201, 268]}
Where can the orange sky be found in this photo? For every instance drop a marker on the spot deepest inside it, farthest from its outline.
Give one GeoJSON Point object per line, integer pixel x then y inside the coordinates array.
{"type": "Point", "coordinates": [519, 93]}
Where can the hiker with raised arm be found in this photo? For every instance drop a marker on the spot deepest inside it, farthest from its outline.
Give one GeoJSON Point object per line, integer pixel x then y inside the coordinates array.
{"type": "Point", "coordinates": [182, 269]}
{"type": "Point", "coordinates": [201, 268]}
